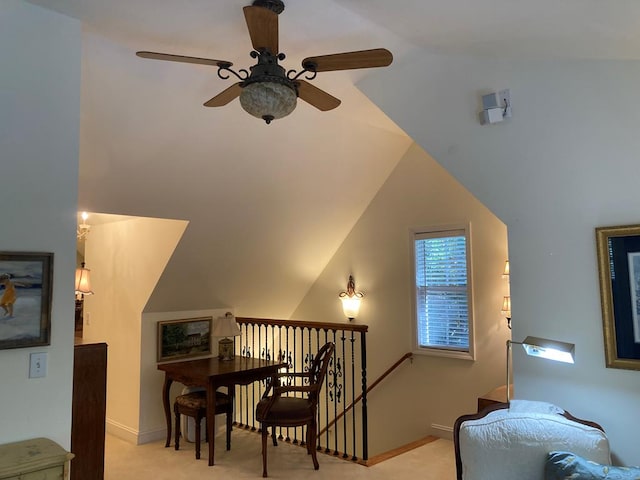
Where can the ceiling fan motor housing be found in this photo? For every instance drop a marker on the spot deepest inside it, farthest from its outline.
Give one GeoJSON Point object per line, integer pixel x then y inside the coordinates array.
{"type": "Point", "coordinates": [276, 6]}
{"type": "Point", "coordinates": [268, 93]}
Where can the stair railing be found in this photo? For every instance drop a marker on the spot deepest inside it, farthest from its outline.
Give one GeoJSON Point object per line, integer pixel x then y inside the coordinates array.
{"type": "Point", "coordinates": [296, 342]}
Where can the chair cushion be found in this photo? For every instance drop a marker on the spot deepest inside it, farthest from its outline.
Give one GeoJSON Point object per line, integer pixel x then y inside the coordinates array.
{"type": "Point", "coordinates": [563, 465]}
{"type": "Point", "coordinates": [505, 445]}
{"type": "Point", "coordinates": [199, 400]}
{"type": "Point", "coordinates": [285, 411]}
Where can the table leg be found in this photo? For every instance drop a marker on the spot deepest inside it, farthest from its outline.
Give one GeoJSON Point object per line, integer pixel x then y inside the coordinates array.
{"type": "Point", "coordinates": [211, 418]}
{"type": "Point", "coordinates": [167, 408]}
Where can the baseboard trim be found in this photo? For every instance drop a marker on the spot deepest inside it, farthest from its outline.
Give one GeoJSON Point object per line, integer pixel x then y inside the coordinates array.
{"type": "Point", "coordinates": [133, 436]}
{"type": "Point", "coordinates": [398, 451]}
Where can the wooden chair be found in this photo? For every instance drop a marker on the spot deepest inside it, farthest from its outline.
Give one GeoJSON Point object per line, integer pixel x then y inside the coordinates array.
{"type": "Point", "coordinates": [281, 410]}
{"type": "Point", "coordinates": [194, 405]}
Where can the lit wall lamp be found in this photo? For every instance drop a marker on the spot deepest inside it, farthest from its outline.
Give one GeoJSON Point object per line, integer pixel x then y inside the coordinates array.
{"type": "Point", "coordinates": [506, 300]}
{"type": "Point", "coordinates": [506, 309]}
{"type": "Point", "coordinates": [225, 327]}
{"type": "Point", "coordinates": [83, 228]}
{"type": "Point", "coordinates": [543, 348]}
{"type": "Point", "coordinates": [83, 281]}
{"type": "Point", "coordinates": [351, 299]}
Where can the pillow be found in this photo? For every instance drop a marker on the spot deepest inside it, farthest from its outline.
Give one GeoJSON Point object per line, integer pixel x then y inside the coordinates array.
{"type": "Point", "coordinates": [566, 465]}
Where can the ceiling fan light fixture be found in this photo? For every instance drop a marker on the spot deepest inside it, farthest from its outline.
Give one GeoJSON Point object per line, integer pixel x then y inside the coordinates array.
{"type": "Point", "coordinates": [268, 100]}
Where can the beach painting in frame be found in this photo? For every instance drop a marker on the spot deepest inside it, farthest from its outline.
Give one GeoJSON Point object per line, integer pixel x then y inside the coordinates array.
{"type": "Point", "coordinates": [25, 299]}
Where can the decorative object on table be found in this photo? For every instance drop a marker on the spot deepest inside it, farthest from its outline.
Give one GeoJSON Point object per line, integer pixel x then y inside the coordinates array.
{"type": "Point", "coordinates": [270, 92]}
{"type": "Point", "coordinates": [351, 299]}
{"type": "Point", "coordinates": [281, 410]}
{"type": "Point", "coordinates": [189, 337]}
{"type": "Point", "coordinates": [25, 299]}
{"type": "Point", "coordinates": [543, 348]}
{"type": "Point", "coordinates": [225, 327]}
{"type": "Point", "coordinates": [619, 272]}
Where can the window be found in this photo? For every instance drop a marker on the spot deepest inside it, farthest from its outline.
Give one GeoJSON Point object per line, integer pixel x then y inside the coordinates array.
{"type": "Point", "coordinates": [442, 299]}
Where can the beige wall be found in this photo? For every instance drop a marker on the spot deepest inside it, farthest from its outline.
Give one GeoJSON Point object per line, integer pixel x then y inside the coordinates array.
{"type": "Point", "coordinates": [564, 164]}
{"type": "Point", "coordinates": [431, 390]}
{"type": "Point", "coordinates": [126, 258]}
{"type": "Point", "coordinates": [152, 420]}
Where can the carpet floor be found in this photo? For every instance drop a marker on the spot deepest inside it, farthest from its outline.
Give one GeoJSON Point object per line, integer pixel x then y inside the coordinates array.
{"type": "Point", "coordinates": [124, 461]}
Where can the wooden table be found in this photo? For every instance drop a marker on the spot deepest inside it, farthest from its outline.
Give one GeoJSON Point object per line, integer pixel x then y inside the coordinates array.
{"type": "Point", "coordinates": [213, 373]}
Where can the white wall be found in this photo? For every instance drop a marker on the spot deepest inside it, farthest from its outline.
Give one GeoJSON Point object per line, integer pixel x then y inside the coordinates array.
{"type": "Point", "coordinates": [39, 124]}
{"type": "Point", "coordinates": [431, 390]}
{"type": "Point", "coordinates": [566, 162]}
{"type": "Point", "coordinates": [126, 258]}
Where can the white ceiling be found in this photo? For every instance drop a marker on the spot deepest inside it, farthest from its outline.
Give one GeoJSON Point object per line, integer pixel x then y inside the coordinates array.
{"type": "Point", "coordinates": [269, 205]}
{"type": "Point", "coordinates": [576, 28]}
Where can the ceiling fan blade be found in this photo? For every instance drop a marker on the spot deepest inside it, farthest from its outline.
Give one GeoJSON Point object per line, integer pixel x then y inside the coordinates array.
{"type": "Point", "coordinates": [316, 97]}
{"type": "Point", "coordinates": [225, 96]}
{"type": "Point", "coordinates": [182, 58]}
{"type": "Point", "coordinates": [263, 28]}
{"type": "Point", "coordinates": [378, 57]}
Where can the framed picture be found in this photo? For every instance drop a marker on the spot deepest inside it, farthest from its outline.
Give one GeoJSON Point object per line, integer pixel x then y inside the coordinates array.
{"type": "Point", "coordinates": [190, 337]}
{"type": "Point", "coordinates": [25, 299]}
{"type": "Point", "coordinates": [619, 271]}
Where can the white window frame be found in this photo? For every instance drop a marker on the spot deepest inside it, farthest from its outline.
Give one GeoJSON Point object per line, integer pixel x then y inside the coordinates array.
{"type": "Point", "coordinates": [435, 232]}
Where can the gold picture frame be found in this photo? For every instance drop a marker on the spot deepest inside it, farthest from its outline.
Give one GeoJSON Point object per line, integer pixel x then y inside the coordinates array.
{"type": "Point", "coordinates": [184, 338]}
{"type": "Point", "coordinates": [618, 250]}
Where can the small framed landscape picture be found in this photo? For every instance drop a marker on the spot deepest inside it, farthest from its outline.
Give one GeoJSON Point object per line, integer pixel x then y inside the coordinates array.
{"type": "Point", "coordinates": [25, 299]}
{"type": "Point", "coordinates": [190, 337]}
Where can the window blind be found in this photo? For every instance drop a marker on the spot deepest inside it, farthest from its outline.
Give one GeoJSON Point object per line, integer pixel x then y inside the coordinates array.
{"type": "Point", "coordinates": [442, 290]}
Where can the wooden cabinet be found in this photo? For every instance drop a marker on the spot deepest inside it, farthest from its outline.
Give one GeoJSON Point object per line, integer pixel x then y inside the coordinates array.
{"type": "Point", "coordinates": [36, 459]}
{"type": "Point", "coordinates": [88, 411]}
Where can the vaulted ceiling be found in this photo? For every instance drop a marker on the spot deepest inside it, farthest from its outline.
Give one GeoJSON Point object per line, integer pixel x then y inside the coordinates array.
{"type": "Point", "coordinates": [268, 205]}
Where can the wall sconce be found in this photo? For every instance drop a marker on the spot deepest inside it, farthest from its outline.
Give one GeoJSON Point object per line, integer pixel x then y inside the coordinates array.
{"type": "Point", "coordinates": [506, 309]}
{"type": "Point", "coordinates": [351, 300]}
{"type": "Point", "coordinates": [506, 300]}
{"type": "Point", "coordinates": [83, 281]}
{"type": "Point", "coordinates": [83, 228]}
{"type": "Point", "coordinates": [225, 327]}
{"type": "Point", "coordinates": [543, 348]}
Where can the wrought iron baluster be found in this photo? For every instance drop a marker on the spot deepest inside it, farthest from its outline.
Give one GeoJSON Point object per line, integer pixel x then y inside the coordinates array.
{"type": "Point", "coordinates": [326, 396]}
{"type": "Point", "coordinates": [253, 385]}
{"type": "Point", "coordinates": [353, 394]}
{"type": "Point", "coordinates": [365, 429]}
{"type": "Point", "coordinates": [295, 368]}
{"type": "Point", "coordinates": [333, 390]}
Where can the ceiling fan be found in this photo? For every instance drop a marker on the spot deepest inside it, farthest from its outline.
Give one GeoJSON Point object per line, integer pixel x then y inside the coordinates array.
{"type": "Point", "coordinates": [268, 91]}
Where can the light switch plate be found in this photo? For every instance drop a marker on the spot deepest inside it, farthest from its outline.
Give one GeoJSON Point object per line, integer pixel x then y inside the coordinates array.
{"type": "Point", "coordinates": [38, 365]}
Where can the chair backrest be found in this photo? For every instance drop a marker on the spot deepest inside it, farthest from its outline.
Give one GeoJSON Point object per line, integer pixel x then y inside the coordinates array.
{"type": "Point", "coordinates": [319, 367]}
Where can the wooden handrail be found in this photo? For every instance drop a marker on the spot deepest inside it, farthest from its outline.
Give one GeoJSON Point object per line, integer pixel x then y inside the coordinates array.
{"type": "Point", "coordinates": [349, 327]}
{"type": "Point", "coordinates": [371, 387]}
